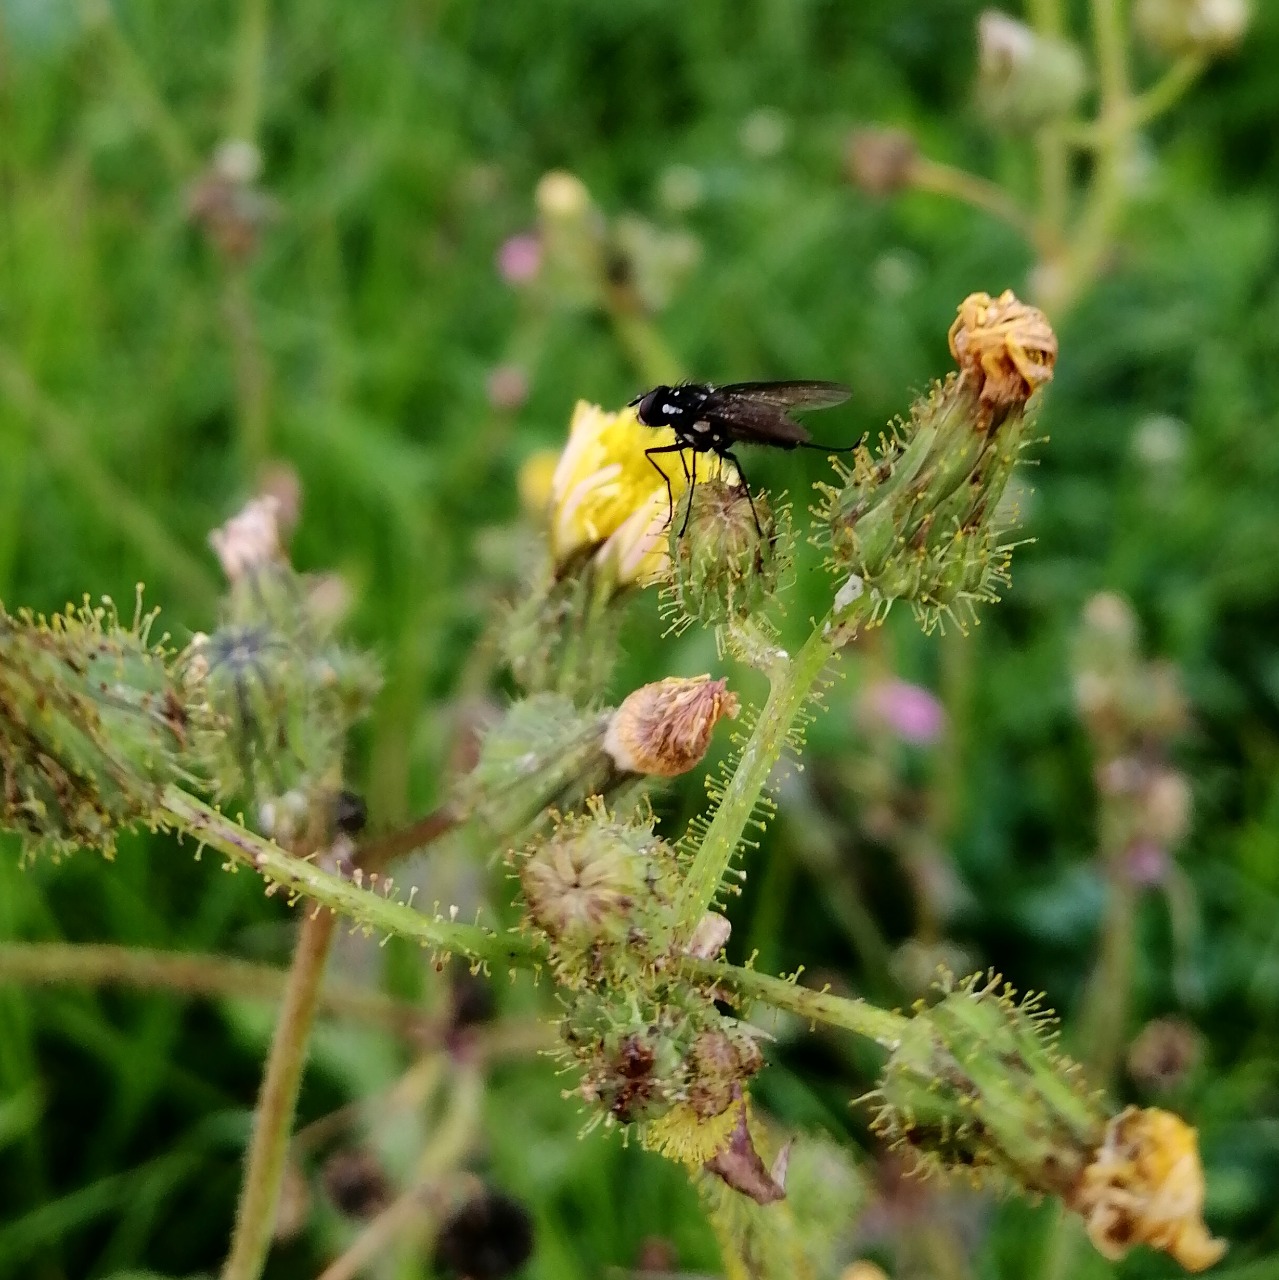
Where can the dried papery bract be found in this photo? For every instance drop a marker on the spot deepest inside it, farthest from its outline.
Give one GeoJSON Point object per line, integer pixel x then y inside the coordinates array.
{"type": "Point", "coordinates": [918, 520]}
{"type": "Point", "coordinates": [664, 729]}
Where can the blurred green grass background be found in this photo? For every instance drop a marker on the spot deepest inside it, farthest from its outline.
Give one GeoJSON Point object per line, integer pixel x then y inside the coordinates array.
{"type": "Point", "coordinates": [145, 384]}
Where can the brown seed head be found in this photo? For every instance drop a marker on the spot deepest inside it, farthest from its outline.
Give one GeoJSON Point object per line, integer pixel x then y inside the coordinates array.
{"type": "Point", "coordinates": [664, 729]}
{"type": "Point", "coordinates": [1005, 346]}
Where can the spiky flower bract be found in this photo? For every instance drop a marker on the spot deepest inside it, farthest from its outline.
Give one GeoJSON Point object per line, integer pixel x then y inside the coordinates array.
{"type": "Point", "coordinates": [724, 567]}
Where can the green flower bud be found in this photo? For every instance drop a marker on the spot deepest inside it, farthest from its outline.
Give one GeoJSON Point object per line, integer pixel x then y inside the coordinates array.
{"type": "Point", "coordinates": [602, 891]}
{"type": "Point", "coordinates": [1208, 28]}
{"type": "Point", "coordinates": [975, 1083]}
{"type": "Point", "coordinates": [1026, 79]}
{"type": "Point", "coordinates": [916, 520]}
{"type": "Point", "coordinates": [95, 722]}
{"type": "Point", "coordinates": [724, 567]}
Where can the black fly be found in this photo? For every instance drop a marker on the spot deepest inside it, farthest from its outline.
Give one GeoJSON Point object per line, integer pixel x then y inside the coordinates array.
{"type": "Point", "coordinates": [708, 419]}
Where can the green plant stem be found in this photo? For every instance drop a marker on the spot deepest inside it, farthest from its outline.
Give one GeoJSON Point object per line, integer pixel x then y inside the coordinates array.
{"type": "Point", "coordinates": [277, 1102]}
{"type": "Point", "coordinates": [194, 974]}
{"type": "Point", "coordinates": [880, 1025]}
{"type": "Point", "coordinates": [246, 101]}
{"type": "Point", "coordinates": [980, 193]}
{"type": "Point", "coordinates": [792, 682]}
{"type": "Point", "coordinates": [1167, 90]}
{"type": "Point", "coordinates": [363, 906]}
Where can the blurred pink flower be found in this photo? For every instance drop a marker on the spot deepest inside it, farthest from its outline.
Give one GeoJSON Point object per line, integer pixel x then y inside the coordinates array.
{"type": "Point", "coordinates": [507, 387]}
{"type": "Point", "coordinates": [519, 259]}
{"type": "Point", "coordinates": [908, 710]}
{"type": "Point", "coordinates": [1146, 863]}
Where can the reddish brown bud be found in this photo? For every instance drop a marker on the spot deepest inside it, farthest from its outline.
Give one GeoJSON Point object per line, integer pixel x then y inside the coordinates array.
{"type": "Point", "coordinates": [880, 162]}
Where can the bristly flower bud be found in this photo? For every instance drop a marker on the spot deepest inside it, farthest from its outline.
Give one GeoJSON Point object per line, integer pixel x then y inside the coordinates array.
{"type": "Point", "coordinates": [602, 891]}
{"type": "Point", "coordinates": [918, 521]}
{"type": "Point", "coordinates": [664, 729]}
{"type": "Point", "coordinates": [1208, 28]}
{"type": "Point", "coordinates": [95, 722]}
{"type": "Point", "coordinates": [976, 1083]}
{"type": "Point", "coordinates": [1026, 79]}
{"type": "Point", "coordinates": [723, 568]}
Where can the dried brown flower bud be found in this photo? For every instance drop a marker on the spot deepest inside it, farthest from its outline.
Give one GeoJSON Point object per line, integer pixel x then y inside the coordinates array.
{"type": "Point", "coordinates": [880, 162]}
{"type": "Point", "coordinates": [1145, 1185]}
{"type": "Point", "coordinates": [664, 729]}
{"type": "Point", "coordinates": [1007, 347]}
{"type": "Point", "coordinates": [356, 1183]}
{"type": "Point", "coordinates": [1165, 1053]}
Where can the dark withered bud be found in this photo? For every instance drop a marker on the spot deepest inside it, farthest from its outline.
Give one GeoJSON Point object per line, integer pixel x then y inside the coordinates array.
{"type": "Point", "coordinates": [1165, 1053]}
{"type": "Point", "coordinates": [356, 1183]}
{"type": "Point", "coordinates": [488, 1237]}
{"type": "Point", "coordinates": [350, 813]}
{"type": "Point", "coordinates": [881, 162]}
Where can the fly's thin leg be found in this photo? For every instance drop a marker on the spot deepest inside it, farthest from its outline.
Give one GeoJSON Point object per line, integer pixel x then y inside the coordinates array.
{"type": "Point", "coordinates": [666, 480]}
{"type": "Point", "coordinates": [729, 456]}
{"type": "Point", "coordinates": [692, 486]}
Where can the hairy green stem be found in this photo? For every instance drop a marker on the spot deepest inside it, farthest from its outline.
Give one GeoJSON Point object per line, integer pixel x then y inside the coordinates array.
{"type": "Point", "coordinates": [277, 1102]}
{"type": "Point", "coordinates": [880, 1025]}
{"type": "Point", "coordinates": [363, 906]}
{"type": "Point", "coordinates": [792, 682]}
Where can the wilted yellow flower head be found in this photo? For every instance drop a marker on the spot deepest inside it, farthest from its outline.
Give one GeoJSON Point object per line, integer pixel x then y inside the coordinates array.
{"type": "Point", "coordinates": [1146, 1186]}
{"type": "Point", "coordinates": [1005, 346]}
{"type": "Point", "coordinates": [606, 495]}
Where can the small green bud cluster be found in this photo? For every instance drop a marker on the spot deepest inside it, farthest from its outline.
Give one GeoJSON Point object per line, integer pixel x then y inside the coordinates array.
{"type": "Point", "coordinates": [976, 1083]}
{"type": "Point", "coordinates": [95, 722]}
{"type": "Point", "coordinates": [918, 521]}
{"type": "Point", "coordinates": [723, 567]}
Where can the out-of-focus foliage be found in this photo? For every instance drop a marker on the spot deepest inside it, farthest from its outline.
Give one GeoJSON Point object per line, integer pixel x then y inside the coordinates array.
{"type": "Point", "coordinates": [351, 311]}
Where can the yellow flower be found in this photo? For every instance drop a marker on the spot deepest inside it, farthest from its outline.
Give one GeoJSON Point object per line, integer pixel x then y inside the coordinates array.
{"type": "Point", "coordinates": [607, 497]}
{"type": "Point", "coordinates": [1146, 1186]}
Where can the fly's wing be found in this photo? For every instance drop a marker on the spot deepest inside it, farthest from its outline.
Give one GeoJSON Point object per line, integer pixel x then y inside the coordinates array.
{"type": "Point", "coordinates": [755, 412]}
{"type": "Point", "coordinates": [788, 395]}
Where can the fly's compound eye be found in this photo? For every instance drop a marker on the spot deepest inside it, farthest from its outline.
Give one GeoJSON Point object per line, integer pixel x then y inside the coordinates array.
{"type": "Point", "coordinates": [648, 409]}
